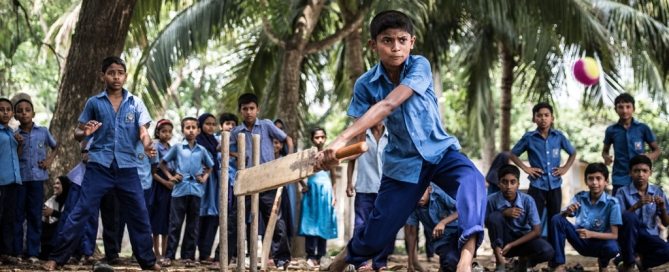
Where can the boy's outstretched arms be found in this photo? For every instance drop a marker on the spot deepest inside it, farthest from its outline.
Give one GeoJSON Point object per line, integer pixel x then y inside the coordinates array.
{"type": "Point", "coordinates": [377, 113]}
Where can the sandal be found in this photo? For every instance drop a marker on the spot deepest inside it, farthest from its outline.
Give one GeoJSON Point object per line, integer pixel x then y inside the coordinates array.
{"type": "Point", "coordinates": [365, 268]}
{"type": "Point", "coordinates": [166, 262]}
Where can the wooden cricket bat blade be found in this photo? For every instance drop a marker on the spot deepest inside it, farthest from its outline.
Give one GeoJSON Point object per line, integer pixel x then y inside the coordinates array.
{"type": "Point", "coordinates": [276, 173]}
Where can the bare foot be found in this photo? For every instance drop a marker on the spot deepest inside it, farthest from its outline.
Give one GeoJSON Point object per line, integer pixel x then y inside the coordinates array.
{"type": "Point", "coordinates": [339, 263]}
{"type": "Point", "coordinates": [50, 265]}
{"type": "Point", "coordinates": [560, 268]}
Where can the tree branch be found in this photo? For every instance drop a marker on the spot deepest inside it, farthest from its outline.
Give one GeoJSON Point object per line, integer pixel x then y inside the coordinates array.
{"type": "Point", "coordinates": [32, 32]}
{"type": "Point", "coordinates": [268, 29]}
{"type": "Point", "coordinates": [314, 47]}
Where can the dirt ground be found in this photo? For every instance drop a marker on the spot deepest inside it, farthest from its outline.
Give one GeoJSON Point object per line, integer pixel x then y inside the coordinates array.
{"type": "Point", "coordinates": [396, 263]}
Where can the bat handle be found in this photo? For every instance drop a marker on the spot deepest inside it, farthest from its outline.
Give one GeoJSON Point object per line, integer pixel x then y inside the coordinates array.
{"type": "Point", "coordinates": [351, 150]}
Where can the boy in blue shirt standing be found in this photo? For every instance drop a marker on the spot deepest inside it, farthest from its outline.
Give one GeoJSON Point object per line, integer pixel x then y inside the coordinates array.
{"type": "Point", "coordinates": [251, 124]}
{"type": "Point", "coordinates": [10, 179]}
{"type": "Point", "coordinates": [597, 222]}
{"type": "Point", "coordinates": [642, 204]}
{"type": "Point", "coordinates": [543, 147]}
{"type": "Point", "coordinates": [513, 223]}
{"type": "Point", "coordinates": [34, 162]}
{"type": "Point", "coordinates": [189, 159]}
{"type": "Point", "coordinates": [436, 210]}
{"type": "Point", "coordinates": [627, 137]}
{"type": "Point", "coordinates": [399, 90]}
{"type": "Point", "coordinates": [117, 120]}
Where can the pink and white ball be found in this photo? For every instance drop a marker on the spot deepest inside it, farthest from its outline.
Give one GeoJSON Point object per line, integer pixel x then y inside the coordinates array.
{"type": "Point", "coordinates": [586, 71]}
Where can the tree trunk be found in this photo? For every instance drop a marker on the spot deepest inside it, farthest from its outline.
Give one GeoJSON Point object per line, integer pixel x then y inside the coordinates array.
{"type": "Point", "coordinates": [508, 65]}
{"type": "Point", "coordinates": [438, 88]}
{"type": "Point", "coordinates": [100, 32]}
{"type": "Point", "coordinates": [488, 145]}
{"type": "Point", "coordinates": [289, 86]}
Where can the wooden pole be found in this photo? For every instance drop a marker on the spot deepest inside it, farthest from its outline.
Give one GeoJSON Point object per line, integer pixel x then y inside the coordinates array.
{"type": "Point", "coordinates": [241, 206]}
{"type": "Point", "coordinates": [255, 199]}
{"type": "Point", "coordinates": [269, 230]}
{"type": "Point", "coordinates": [223, 202]}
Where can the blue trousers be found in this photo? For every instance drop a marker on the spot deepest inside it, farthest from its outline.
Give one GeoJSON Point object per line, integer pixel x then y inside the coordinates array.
{"type": "Point", "coordinates": [98, 180]}
{"type": "Point", "coordinates": [633, 239]}
{"type": "Point", "coordinates": [363, 204]}
{"type": "Point", "coordinates": [87, 241]}
{"type": "Point", "coordinates": [188, 208]}
{"type": "Point", "coordinates": [447, 249]}
{"type": "Point", "coordinates": [29, 202]}
{"type": "Point", "coordinates": [603, 250]}
{"type": "Point", "coordinates": [7, 218]}
{"type": "Point", "coordinates": [501, 233]}
{"type": "Point", "coordinates": [455, 174]}
{"type": "Point", "coordinates": [315, 247]}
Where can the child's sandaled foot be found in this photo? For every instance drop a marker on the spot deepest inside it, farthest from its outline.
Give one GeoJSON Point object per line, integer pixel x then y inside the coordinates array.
{"type": "Point", "coordinates": [50, 265]}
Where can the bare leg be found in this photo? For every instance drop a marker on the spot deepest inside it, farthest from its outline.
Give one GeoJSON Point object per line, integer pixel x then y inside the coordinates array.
{"type": "Point", "coordinates": [467, 255]}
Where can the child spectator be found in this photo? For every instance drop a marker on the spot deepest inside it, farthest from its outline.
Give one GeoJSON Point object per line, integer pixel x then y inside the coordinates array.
{"type": "Point", "coordinates": [209, 206]}
{"type": "Point", "coordinates": [160, 212]}
{"type": "Point", "coordinates": [52, 212]}
{"type": "Point", "coordinates": [117, 120]}
{"type": "Point", "coordinates": [543, 147]}
{"type": "Point", "coordinates": [189, 158]}
{"type": "Point", "coordinates": [34, 162]}
{"type": "Point", "coordinates": [227, 121]}
{"type": "Point", "coordinates": [513, 223]}
{"type": "Point", "coordinates": [368, 181]}
{"type": "Point", "coordinates": [251, 124]}
{"type": "Point", "coordinates": [436, 210]}
{"type": "Point", "coordinates": [598, 218]}
{"type": "Point", "coordinates": [642, 205]}
{"type": "Point", "coordinates": [10, 180]}
{"type": "Point", "coordinates": [627, 136]}
{"type": "Point", "coordinates": [319, 219]}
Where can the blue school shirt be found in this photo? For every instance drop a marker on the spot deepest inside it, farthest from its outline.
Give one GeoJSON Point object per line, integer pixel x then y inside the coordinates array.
{"type": "Point", "coordinates": [35, 143]}
{"type": "Point", "coordinates": [189, 163]}
{"type": "Point", "coordinates": [439, 207]}
{"type": "Point", "coordinates": [627, 143]}
{"type": "Point", "coordinates": [161, 151]}
{"type": "Point", "coordinates": [119, 133]}
{"type": "Point", "coordinates": [647, 214]}
{"type": "Point", "coordinates": [526, 221]}
{"type": "Point", "coordinates": [599, 216]}
{"type": "Point", "coordinates": [370, 164]}
{"type": "Point", "coordinates": [9, 157]}
{"type": "Point", "coordinates": [415, 133]}
{"type": "Point", "coordinates": [267, 131]}
{"type": "Point", "coordinates": [144, 167]}
{"type": "Point", "coordinates": [544, 154]}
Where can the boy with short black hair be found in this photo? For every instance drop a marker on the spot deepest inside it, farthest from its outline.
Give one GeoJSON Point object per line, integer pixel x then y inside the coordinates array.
{"type": "Point", "coordinates": [251, 124]}
{"type": "Point", "coordinates": [597, 221]}
{"type": "Point", "coordinates": [543, 147]}
{"type": "Point", "coordinates": [117, 120]}
{"type": "Point", "coordinates": [627, 136]}
{"type": "Point", "coordinates": [34, 162]}
{"type": "Point", "coordinates": [642, 205]}
{"type": "Point", "coordinates": [437, 211]}
{"type": "Point", "coordinates": [189, 158]}
{"type": "Point", "coordinates": [399, 90]}
{"type": "Point", "coordinates": [513, 223]}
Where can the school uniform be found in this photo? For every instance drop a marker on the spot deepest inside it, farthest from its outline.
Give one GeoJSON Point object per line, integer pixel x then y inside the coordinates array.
{"type": "Point", "coordinates": [503, 230]}
{"type": "Point", "coordinates": [87, 242]}
{"type": "Point", "coordinates": [267, 131]}
{"type": "Point", "coordinates": [545, 155]}
{"type": "Point", "coordinates": [439, 207]}
{"type": "Point", "coordinates": [640, 234]}
{"type": "Point", "coordinates": [599, 217]}
{"type": "Point", "coordinates": [162, 196]}
{"type": "Point", "coordinates": [10, 179]}
{"type": "Point", "coordinates": [30, 195]}
{"type": "Point", "coordinates": [319, 219]}
{"type": "Point", "coordinates": [627, 143]}
{"type": "Point", "coordinates": [419, 151]}
{"type": "Point", "coordinates": [186, 197]}
{"type": "Point", "coordinates": [367, 183]}
{"type": "Point", "coordinates": [209, 204]}
{"type": "Point", "coordinates": [111, 165]}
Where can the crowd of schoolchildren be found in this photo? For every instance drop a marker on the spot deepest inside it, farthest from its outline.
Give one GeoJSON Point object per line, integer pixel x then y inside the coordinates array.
{"type": "Point", "coordinates": [152, 187]}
